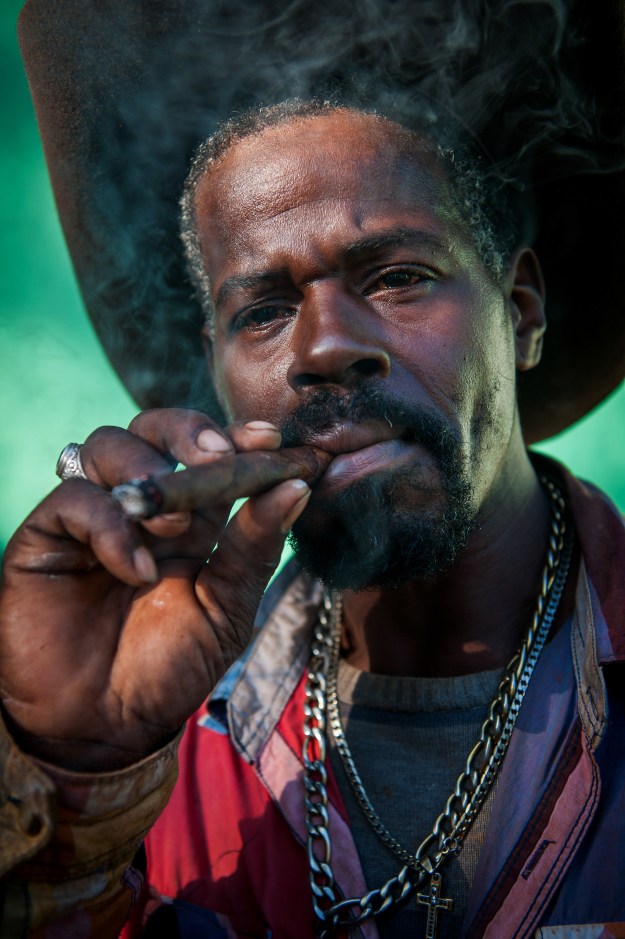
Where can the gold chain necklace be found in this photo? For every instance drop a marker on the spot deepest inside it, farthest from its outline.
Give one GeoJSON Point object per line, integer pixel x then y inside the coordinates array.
{"type": "Point", "coordinates": [451, 827]}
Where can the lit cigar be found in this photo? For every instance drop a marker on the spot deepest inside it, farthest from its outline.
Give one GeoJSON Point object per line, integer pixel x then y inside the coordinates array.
{"type": "Point", "coordinates": [229, 478]}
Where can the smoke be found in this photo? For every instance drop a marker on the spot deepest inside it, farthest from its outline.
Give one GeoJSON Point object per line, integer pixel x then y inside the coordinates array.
{"type": "Point", "coordinates": [149, 81]}
{"type": "Point", "coordinates": [512, 73]}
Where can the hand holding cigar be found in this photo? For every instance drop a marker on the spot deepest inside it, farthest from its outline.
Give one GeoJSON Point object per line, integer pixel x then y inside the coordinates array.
{"type": "Point", "coordinates": [149, 616]}
{"type": "Point", "coordinates": [227, 479]}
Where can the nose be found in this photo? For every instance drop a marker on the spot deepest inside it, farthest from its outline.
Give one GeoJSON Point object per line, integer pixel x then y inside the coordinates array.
{"type": "Point", "coordinates": [337, 340]}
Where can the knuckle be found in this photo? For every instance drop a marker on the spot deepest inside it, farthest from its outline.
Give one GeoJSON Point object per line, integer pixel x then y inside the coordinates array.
{"type": "Point", "coordinates": [72, 497]}
{"type": "Point", "coordinates": [102, 433]}
{"type": "Point", "coordinates": [146, 419]}
{"type": "Point", "coordinates": [98, 443]}
{"type": "Point", "coordinates": [108, 540]}
{"type": "Point", "coordinates": [96, 450]}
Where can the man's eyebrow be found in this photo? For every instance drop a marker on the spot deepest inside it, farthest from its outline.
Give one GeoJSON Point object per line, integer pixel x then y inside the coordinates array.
{"type": "Point", "coordinates": [396, 238]}
{"type": "Point", "coordinates": [244, 282]}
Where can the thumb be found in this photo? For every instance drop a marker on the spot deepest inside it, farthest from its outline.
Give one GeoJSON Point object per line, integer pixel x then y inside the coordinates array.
{"type": "Point", "coordinates": [231, 585]}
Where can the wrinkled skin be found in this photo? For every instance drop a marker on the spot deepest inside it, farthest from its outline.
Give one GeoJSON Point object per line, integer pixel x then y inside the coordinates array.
{"type": "Point", "coordinates": [113, 633]}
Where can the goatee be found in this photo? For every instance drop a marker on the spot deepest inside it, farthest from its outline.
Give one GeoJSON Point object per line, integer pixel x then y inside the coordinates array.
{"type": "Point", "coordinates": [383, 530]}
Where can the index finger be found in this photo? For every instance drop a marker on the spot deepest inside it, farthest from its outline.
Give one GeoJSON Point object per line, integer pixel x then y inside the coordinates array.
{"type": "Point", "coordinates": [189, 436]}
{"type": "Point", "coordinates": [192, 438]}
{"type": "Point", "coordinates": [227, 479]}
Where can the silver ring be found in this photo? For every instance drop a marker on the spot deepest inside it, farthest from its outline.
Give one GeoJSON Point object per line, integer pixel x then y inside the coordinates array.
{"type": "Point", "coordinates": [68, 465]}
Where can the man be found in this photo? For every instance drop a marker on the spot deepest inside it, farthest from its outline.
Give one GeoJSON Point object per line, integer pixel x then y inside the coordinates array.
{"type": "Point", "coordinates": [352, 307]}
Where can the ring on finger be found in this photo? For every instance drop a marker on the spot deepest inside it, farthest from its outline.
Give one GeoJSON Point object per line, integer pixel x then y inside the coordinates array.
{"type": "Point", "coordinates": [68, 465]}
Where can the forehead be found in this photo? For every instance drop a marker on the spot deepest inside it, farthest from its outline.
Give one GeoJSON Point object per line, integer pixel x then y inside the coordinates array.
{"type": "Point", "coordinates": [322, 178]}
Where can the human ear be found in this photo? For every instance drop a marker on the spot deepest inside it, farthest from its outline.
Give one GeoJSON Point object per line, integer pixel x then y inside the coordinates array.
{"type": "Point", "coordinates": [525, 290]}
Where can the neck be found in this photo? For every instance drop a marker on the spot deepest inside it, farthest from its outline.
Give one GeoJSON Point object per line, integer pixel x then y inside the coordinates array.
{"type": "Point", "coordinates": [471, 617]}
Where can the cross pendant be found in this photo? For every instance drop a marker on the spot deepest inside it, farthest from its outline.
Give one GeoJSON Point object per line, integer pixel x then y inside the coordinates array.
{"type": "Point", "coordinates": [434, 903]}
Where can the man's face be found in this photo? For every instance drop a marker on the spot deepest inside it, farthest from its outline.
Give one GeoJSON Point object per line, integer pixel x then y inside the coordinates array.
{"type": "Point", "coordinates": [352, 310]}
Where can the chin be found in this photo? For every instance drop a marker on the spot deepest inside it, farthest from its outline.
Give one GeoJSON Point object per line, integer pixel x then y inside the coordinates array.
{"type": "Point", "coordinates": [382, 533]}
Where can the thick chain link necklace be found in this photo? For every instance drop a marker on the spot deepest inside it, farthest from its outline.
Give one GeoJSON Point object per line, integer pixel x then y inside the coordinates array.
{"type": "Point", "coordinates": [452, 825]}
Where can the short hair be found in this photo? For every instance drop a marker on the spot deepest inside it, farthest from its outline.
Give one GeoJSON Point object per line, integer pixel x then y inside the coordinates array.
{"type": "Point", "coordinates": [478, 192]}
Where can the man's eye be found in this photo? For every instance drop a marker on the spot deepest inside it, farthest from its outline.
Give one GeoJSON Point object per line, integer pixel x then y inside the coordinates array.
{"type": "Point", "coordinates": [261, 316]}
{"type": "Point", "coordinates": [393, 280]}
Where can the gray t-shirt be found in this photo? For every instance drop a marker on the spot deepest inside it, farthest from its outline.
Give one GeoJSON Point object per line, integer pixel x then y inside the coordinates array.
{"type": "Point", "coordinates": [410, 739]}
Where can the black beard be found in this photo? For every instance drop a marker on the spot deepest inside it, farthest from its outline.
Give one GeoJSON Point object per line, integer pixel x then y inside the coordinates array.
{"type": "Point", "coordinates": [364, 536]}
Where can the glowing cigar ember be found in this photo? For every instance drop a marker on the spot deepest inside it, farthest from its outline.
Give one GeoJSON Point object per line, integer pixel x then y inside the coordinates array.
{"type": "Point", "coordinates": [229, 478]}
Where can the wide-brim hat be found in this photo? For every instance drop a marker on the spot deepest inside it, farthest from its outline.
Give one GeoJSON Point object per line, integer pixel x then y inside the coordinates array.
{"type": "Point", "coordinates": [124, 91]}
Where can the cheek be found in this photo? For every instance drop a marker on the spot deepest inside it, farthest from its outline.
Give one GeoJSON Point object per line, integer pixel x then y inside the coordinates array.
{"type": "Point", "coordinates": [462, 355]}
{"type": "Point", "coordinates": [492, 388]}
{"type": "Point", "coordinates": [249, 389]}
{"type": "Point", "coordinates": [439, 349]}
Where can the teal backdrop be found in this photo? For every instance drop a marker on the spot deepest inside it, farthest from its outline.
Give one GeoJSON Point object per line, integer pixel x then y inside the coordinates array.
{"type": "Point", "coordinates": [55, 383]}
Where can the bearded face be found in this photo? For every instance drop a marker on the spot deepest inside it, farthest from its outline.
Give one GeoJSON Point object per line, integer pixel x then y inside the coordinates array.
{"type": "Point", "coordinates": [352, 309]}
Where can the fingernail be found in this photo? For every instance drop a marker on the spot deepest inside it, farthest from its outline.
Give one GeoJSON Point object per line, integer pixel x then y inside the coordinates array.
{"type": "Point", "coordinates": [299, 506]}
{"type": "Point", "coordinates": [145, 565]}
{"type": "Point", "coordinates": [261, 425]}
{"type": "Point", "coordinates": [213, 442]}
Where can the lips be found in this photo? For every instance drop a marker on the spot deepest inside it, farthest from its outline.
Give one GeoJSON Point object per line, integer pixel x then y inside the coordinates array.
{"type": "Point", "coordinates": [348, 437]}
{"type": "Point", "coordinates": [361, 450]}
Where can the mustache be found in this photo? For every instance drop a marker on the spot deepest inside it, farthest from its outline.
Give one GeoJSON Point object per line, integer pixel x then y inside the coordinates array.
{"type": "Point", "coordinates": [321, 410]}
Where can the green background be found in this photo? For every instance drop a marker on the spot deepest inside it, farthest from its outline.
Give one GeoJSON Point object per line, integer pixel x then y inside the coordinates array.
{"type": "Point", "coordinates": [55, 383]}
